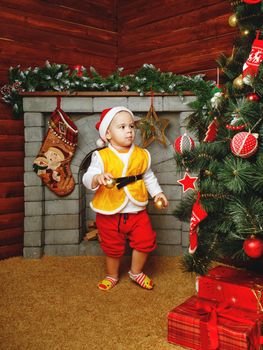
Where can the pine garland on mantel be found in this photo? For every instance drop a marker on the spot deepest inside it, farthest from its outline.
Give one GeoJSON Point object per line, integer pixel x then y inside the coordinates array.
{"type": "Point", "coordinates": [59, 78]}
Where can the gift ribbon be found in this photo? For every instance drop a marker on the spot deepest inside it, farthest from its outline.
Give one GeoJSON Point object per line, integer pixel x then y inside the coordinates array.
{"type": "Point", "coordinates": [209, 314]}
{"type": "Point", "coordinates": [258, 294]}
{"type": "Point", "coordinates": [209, 327]}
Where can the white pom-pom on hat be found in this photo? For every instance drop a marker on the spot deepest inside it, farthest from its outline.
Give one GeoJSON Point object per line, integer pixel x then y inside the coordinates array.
{"type": "Point", "coordinates": [100, 143]}
{"type": "Point", "coordinates": [105, 119]}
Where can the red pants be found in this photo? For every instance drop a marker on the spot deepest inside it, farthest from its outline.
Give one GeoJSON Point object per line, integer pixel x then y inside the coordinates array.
{"type": "Point", "coordinates": [115, 229]}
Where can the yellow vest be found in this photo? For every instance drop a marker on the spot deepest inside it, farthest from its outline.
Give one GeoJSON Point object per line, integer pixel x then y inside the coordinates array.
{"type": "Point", "coordinates": [111, 201]}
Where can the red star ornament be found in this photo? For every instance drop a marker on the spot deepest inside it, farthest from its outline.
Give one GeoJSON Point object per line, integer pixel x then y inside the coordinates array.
{"type": "Point", "coordinates": [188, 182]}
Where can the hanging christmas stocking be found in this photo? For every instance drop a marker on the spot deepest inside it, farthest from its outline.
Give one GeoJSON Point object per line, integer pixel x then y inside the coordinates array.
{"type": "Point", "coordinates": [250, 68]}
{"type": "Point", "coordinates": [198, 215]}
{"type": "Point", "coordinates": [52, 163]}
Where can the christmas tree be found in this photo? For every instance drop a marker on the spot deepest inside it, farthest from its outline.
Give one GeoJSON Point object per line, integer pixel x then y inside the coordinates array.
{"type": "Point", "coordinates": [225, 209]}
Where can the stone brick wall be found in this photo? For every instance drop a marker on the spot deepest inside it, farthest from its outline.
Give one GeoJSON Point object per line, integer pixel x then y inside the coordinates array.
{"type": "Point", "coordinates": [55, 225]}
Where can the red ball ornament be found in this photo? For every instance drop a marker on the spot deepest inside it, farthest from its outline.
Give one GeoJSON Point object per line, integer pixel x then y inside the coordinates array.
{"type": "Point", "coordinates": [183, 143]}
{"type": "Point", "coordinates": [244, 144]}
{"type": "Point", "coordinates": [251, 2]}
{"type": "Point", "coordinates": [252, 96]}
{"type": "Point", "coordinates": [253, 247]}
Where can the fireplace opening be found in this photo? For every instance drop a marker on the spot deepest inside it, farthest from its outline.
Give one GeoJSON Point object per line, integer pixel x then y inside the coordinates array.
{"type": "Point", "coordinates": [87, 216]}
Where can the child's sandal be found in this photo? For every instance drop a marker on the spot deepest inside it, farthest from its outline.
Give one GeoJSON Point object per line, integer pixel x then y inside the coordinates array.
{"type": "Point", "coordinates": [107, 283]}
{"type": "Point", "coordinates": [143, 280]}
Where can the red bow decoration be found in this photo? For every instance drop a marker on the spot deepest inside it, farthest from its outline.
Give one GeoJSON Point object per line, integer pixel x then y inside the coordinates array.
{"type": "Point", "coordinates": [209, 326]}
{"type": "Point", "coordinates": [210, 314]}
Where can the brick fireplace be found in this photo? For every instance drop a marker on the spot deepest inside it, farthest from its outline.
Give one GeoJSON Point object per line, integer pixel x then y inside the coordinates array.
{"type": "Point", "coordinates": [56, 225]}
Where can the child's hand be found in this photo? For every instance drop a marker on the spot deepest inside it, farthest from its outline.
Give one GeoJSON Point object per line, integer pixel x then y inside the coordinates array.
{"type": "Point", "coordinates": [163, 197]}
{"type": "Point", "coordinates": [101, 179]}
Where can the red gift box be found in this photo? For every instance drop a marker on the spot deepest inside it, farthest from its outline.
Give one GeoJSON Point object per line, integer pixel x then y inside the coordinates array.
{"type": "Point", "coordinates": [206, 325]}
{"type": "Point", "coordinates": [237, 287]}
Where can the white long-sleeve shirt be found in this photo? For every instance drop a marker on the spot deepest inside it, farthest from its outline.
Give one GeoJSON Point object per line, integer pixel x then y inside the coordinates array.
{"type": "Point", "coordinates": [96, 167]}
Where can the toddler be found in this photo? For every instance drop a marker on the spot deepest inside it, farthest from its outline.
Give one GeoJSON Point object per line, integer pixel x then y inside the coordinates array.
{"type": "Point", "coordinates": [121, 210]}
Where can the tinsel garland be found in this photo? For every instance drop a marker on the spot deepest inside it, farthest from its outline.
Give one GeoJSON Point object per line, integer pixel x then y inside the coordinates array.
{"type": "Point", "coordinates": [58, 77]}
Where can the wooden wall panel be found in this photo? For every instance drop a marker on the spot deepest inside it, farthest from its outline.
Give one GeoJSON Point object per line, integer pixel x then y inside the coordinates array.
{"type": "Point", "coordinates": [10, 250]}
{"type": "Point", "coordinates": [88, 13]}
{"type": "Point", "coordinates": [62, 31]}
{"type": "Point", "coordinates": [31, 32]}
{"type": "Point", "coordinates": [178, 36]}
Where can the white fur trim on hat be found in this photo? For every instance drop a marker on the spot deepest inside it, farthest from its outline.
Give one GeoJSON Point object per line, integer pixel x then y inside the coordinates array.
{"type": "Point", "coordinates": [108, 118]}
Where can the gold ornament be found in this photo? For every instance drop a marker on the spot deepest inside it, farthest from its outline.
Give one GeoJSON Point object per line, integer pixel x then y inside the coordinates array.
{"type": "Point", "coordinates": [245, 32]}
{"type": "Point", "coordinates": [159, 204]}
{"type": "Point", "coordinates": [238, 82]}
{"type": "Point", "coordinates": [110, 183]}
{"type": "Point", "coordinates": [232, 20]}
{"type": "Point", "coordinates": [208, 173]}
{"type": "Point", "coordinates": [152, 128]}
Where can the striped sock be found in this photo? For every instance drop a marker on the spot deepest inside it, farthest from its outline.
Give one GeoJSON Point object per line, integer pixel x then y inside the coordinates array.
{"type": "Point", "coordinates": [143, 280]}
{"type": "Point", "coordinates": [108, 283]}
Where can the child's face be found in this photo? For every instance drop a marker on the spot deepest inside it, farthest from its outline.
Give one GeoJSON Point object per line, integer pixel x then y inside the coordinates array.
{"type": "Point", "coordinates": [121, 131]}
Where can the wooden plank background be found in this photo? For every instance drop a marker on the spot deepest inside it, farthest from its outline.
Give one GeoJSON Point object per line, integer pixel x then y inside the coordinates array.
{"type": "Point", "coordinates": [178, 36]}
{"type": "Point", "coordinates": [70, 32]}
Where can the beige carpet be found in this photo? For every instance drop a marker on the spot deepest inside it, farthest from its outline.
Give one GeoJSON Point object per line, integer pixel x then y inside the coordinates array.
{"type": "Point", "coordinates": [53, 303]}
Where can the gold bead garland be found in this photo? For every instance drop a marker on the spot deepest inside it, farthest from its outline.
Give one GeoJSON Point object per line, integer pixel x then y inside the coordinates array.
{"type": "Point", "coordinates": [214, 196]}
{"type": "Point", "coordinates": [211, 248]}
{"type": "Point", "coordinates": [235, 3]}
{"type": "Point", "coordinates": [60, 137]}
{"type": "Point", "coordinates": [204, 155]}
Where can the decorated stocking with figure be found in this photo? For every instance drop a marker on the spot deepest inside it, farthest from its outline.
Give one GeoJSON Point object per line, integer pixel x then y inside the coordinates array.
{"type": "Point", "coordinates": [52, 163]}
{"type": "Point", "coordinates": [250, 68]}
{"type": "Point", "coordinates": [198, 215]}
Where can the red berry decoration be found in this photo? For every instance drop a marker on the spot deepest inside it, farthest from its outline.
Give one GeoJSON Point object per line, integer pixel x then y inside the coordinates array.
{"type": "Point", "coordinates": [244, 144]}
{"type": "Point", "coordinates": [183, 143]}
{"type": "Point", "coordinates": [253, 247]}
{"type": "Point", "coordinates": [252, 96]}
{"type": "Point", "coordinates": [79, 71]}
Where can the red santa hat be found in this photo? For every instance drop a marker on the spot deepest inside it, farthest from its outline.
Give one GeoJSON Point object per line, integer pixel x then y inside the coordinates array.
{"type": "Point", "coordinates": [105, 119]}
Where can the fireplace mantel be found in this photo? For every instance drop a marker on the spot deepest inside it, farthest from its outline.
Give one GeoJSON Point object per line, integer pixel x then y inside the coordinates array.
{"type": "Point", "coordinates": [54, 225]}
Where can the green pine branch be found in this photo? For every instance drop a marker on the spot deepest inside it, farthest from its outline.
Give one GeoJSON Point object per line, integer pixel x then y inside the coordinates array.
{"type": "Point", "coordinates": [58, 77]}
